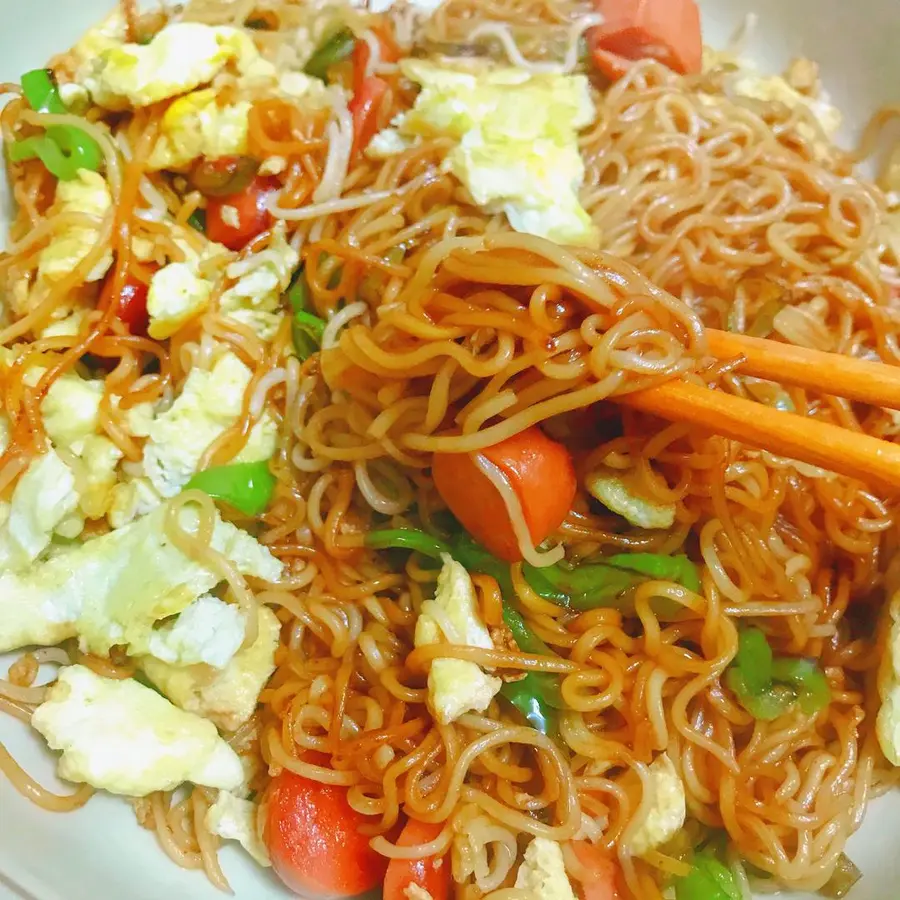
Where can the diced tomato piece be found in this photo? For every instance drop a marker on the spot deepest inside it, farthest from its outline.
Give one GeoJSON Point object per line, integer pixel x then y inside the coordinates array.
{"type": "Point", "coordinates": [667, 30]}
{"type": "Point", "coordinates": [364, 109]}
{"type": "Point", "coordinates": [362, 53]}
{"type": "Point", "coordinates": [314, 840]}
{"type": "Point", "coordinates": [237, 219]}
{"type": "Point", "coordinates": [541, 473]}
{"type": "Point", "coordinates": [605, 874]}
{"type": "Point", "coordinates": [431, 874]}
{"type": "Point", "coordinates": [131, 304]}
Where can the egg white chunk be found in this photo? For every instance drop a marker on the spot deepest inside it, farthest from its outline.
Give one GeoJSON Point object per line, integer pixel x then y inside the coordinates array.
{"type": "Point", "coordinates": [455, 686]}
{"type": "Point", "coordinates": [43, 498]}
{"type": "Point", "coordinates": [542, 874]}
{"type": "Point", "coordinates": [209, 631]}
{"type": "Point", "coordinates": [113, 589]}
{"type": "Point", "coordinates": [517, 141]}
{"type": "Point", "coordinates": [180, 57]}
{"type": "Point", "coordinates": [122, 737]}
{"type": "Point", "coordinates": [227, 697]}
{"type": "Point", "coordinates": [210, 402]}
{"type": "Point", "coordinates": [87, 195]}
{"type": "Point", "coordinates": [888, 721]}
{"type": "Point", "coordinates": [234, 819]}
{"type": "Point", "coordinates": [668, 810]}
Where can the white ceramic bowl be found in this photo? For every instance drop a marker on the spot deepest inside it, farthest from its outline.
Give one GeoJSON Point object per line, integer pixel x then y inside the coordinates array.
{"type": "Point", "coordinates": [100, 853]}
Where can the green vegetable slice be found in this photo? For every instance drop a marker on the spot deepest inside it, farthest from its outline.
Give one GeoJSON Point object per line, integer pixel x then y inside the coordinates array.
{"type": "Point", "coordinates": [336, 49]}
{"type": "Point", "coordinates": [768, 686]}
{"type": "Point", "coordinates": [708, 879]}
{"type": "Point", "coordinates": [660, 568]}
{"type": "Point", "coordinates": [247, 487]}
{"type": "Point", "coordinates": [197, 220]}
{"type": "Point", "coordinates": [306, 328]}
{"type": "Point", "coordinates": [63, 149]}
{"type": "Point", "coordinates": [407, 539]}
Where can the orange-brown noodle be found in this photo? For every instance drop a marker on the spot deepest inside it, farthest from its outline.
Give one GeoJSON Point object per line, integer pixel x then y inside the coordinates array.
{"type": "Point", "coordinates": [449, 332]}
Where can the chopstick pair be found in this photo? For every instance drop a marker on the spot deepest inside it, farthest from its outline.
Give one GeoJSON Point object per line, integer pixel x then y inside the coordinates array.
{"type": "Point", "coordinates": [828, 446]}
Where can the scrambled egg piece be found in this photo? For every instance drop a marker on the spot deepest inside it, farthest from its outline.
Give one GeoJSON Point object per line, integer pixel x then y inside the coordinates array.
{"type": "Point", "coordinates": [75, 97]}
{"type": "Point", "coordinates": [122, 737]}
{"type": "Point", "coordinates": [666, 816]}
{"type": "Point", "coordinates": [109, 33]}
{"type": "Point", "coordinates": [747, 81]}
{"type": "Point", "coordinates": [517, 150]}
{"type": "Point", "coordinates": [68, 327]}
{"type": "Point", "coordinates": [196, 125]}
{"type": "Point", "coordinates": [543, 872]}
{"type": "Point", "coordinates": [43, 498]}
{"type": "Point", "coordinates": [71, 409]}
{"type": "Point", "coordinates": [234, 819]}
{"type": "Point", "coordinates": [888, 722]}
{"type": "Point", "coordinates": [113, 589]}
{"type": "Point", "coordinates": [455, 686]}
{"type": "Point", "coordinates": [613, 492]}
{"type": "Point", "coordinates": [181, 57]}
{"type": "Point", "coordinates": [177, 294]}
{"type": "Point", "coordinates": [209, 631]}
{"type": "Point", "coordinates": [99, 458]}
{"type": "Point", "coordinates": [131, 499]}
{"type": "Point", "coordinates": [88, 194]}
{"type": "Point", "coordinates": [262, 277]}
{"type": "Point", "coordinates": [263, 324]}
{"type": "Point", "coordinates": [228, 698]}
{"type": "Point", "coordinates": [210, 402]}
{"type": "Point", "coordinates": [71, 416]}
{"type": "Point", "coordinates": [180, 291]}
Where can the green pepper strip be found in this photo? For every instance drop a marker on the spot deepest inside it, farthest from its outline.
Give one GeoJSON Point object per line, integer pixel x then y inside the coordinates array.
{"type": "Point", "coordinates": [336, 49]}
{"type": "Point", "coordinates": [807, 679]}
{"type": "Point", "coordinates": [247, 487]}
{"type": "Point", "coordinates": [537, 696]}
{"type": "Point", "coordinates": [584, 587]}
{"type": "Point", "coordinates": [659, 567]}
{"type": "Point", "coordinates": [63, 149]}
{"type": "Point", "coordinates": [307, 329]}
{"type": "Point", "coordinates": [197, 219]}
{"type": "Point", "coordinates": [42, 93]}
{"type": "Point", "coordinates": [534, 696]}
{"type": "Point", "coordinates": [767, 687]}
{"type": "Point", "coordinates": [407, 539]}
{"type": "Point", "coordinates": [708, 879]}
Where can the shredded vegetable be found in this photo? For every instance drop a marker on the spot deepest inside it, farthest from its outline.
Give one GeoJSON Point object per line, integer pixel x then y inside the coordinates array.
{"type": "Point", "coordinates": [336, 49]}
{"type": "Point", "coordinates": [307, 328]}
{"type": "Point", "coordinates": [63, 149]}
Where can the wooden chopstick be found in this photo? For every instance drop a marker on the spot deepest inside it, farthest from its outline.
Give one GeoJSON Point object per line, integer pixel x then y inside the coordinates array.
{"type": "Point", "coordinates": [829, 446]}
{"type": "Point", "coordinates": [827, 373]}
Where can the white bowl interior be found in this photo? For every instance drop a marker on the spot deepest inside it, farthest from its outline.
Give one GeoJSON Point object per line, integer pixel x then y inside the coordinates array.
{"type": "Point", "coordinates": [100, 851]}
